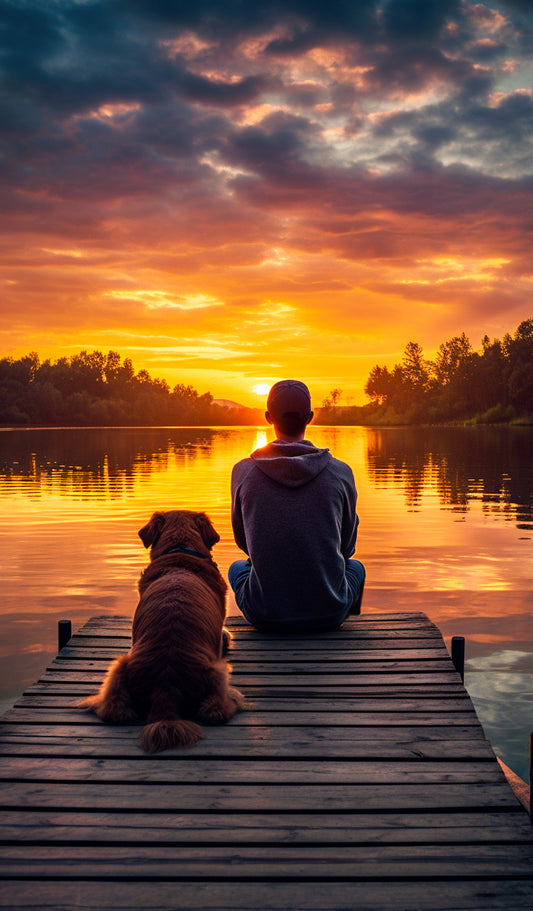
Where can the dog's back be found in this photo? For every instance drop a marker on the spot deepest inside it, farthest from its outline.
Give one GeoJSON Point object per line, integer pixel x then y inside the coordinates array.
{"type": "Point", "coordinates": [177, 633]}
{"type": "Point", "coordinates": [174, 671]}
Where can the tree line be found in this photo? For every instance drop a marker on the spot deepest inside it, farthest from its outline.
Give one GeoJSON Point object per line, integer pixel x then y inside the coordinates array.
{"type": "Point", "coordinates": [96, 389]}
{"type": "Point", "coordinates": [492, 385]}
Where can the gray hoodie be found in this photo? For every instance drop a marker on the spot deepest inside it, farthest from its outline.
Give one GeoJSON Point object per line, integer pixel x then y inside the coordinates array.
{"type": "Point", "coordinates": [294, 514]}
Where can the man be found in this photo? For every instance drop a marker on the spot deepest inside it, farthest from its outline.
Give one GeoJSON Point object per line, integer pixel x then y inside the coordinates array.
{"type": "Point", "coordinates": [294, 514]}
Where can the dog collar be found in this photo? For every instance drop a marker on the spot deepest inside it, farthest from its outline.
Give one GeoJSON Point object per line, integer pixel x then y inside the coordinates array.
{"type": "Point", "coordinates": [181, 549]}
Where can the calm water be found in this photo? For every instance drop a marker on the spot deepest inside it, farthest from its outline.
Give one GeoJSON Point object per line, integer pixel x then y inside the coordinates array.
{"type": "Point", "coordinates": [446, 527]}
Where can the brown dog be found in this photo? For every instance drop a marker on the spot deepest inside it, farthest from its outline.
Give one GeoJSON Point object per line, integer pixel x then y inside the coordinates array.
{"type": "Point", "coordinates": [175, 669]}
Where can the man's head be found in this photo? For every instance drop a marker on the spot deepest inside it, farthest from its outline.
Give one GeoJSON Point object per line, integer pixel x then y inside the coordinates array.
{"type": "Point", "coordinates": [289, 409]}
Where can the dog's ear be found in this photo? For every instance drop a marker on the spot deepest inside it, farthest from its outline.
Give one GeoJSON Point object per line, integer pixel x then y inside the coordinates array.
{"type": "Point", "coordinates": [151, 532]}
{"type": "Point", "coordinates": [208, 533]}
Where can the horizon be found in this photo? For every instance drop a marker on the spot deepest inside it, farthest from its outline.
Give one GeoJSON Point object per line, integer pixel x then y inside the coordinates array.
{"type": "Point", "coordinates": [232, 199]}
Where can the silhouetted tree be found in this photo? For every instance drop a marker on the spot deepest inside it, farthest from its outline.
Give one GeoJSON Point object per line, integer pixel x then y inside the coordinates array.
{"type": "Point", "coordinates": [493, 384]}
{"type": "Point", "coordinates": [95, 389]}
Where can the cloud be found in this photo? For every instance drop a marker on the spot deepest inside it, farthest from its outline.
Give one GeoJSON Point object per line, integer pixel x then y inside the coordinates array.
{"type": "Point", "coordinates": [417, 20]}
{"type": "Point", "coordinates": [156, 300]}
{"type": "Point", "coordinates": [301, 154]}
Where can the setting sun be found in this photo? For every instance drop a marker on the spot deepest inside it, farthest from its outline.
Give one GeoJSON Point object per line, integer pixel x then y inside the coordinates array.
{"type": "Point", "coordinates": [261, 388]}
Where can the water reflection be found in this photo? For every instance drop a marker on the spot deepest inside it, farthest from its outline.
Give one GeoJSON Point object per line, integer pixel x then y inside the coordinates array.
{"type": "Point", "coordinates": [486, 464]}
{"type": "Point", "coordinates": [503, 702]}
{"type": "Point", "coordinates": [446, 518]}
{"type": "Point", "coordinates": [260, 439]}
{"type": "Point", "coordinates": [96, 463]}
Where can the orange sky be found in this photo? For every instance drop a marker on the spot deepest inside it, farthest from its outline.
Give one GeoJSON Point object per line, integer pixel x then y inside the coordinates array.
{"type": "Point", "coordinates": [230, 200]}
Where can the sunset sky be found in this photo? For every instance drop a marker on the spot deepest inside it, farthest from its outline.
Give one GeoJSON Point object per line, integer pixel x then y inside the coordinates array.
{"type": "Point", "coordinates": [231, 194]}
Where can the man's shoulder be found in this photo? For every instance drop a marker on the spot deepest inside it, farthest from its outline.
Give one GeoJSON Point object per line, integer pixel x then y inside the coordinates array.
{"type": "Point", "coordinates": [242, 468]}
{"type": "Point", "coordinates": [340, 468]}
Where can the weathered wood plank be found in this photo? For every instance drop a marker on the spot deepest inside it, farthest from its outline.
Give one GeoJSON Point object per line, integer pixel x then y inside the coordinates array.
{"type": "Point", "coordinates": [179, 770]}
{"type": "Point", "coordinates": [296, 704]}
{"type": "Point", "coordinates": [287, 719]}
{"type": "Point", "coordinates": [365, 749]}
{"type": "Point", "coordinates": [283, 688]}
{"type": "Point", "coordinates": [130, 748]}
{"type": "Point", "coordinates": [312, 828]}
{"type": "Point", "coordinates": [347, 640]}
{"type": "Point", "coordinates": [361, 681]}
{"type": "Point", "coordinates": [357, 776]}
{"type": "Point", "coordinates": [348, 738]}
{"type": "Point", "coordinates": [246, 668]}
{"type": "Point", "coordinates": [236, 620]}
{"type": "Point", "coordinates": [259, 797]}
{"type": "Point", "coordinates": [291, 862]}
{"type": "Point", "coordinates": [299, 651]}
{"type": "Point", "coordinates": [269, 895]}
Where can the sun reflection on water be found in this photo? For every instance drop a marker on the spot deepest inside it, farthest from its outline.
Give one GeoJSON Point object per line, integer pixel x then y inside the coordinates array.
{"type": "Point", "coordinates": [260, 439]}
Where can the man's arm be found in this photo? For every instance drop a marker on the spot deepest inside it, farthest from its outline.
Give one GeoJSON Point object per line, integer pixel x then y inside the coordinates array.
{"type": "Point", "coordinates": [236, 514]}
{"type": "Point", "coordinates": [350, 520]}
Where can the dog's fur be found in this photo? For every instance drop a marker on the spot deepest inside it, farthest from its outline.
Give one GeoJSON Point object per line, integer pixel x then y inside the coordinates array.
{"type": "Point", "coordinates": [174, 671]}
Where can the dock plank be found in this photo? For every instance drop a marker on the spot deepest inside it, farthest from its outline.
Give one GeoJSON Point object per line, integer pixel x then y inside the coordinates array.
{"type": "Point", "coordinates": [206, 772]}
{"type": "Point", "coordinates": [264, 746]}
{"type": "Point", "coordinates": [205, 828]}
{"type": "Point", "coordinates": [358, 776]}
{"type": "Point", "coordinates": [268, 894]}
{"type": "Point", "coordinates": [290, 862]}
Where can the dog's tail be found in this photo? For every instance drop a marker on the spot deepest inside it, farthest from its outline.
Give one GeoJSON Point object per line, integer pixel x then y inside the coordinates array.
{"type": "Point", "coordinates": [165, 728]}
{"type": "Point", "coordinates": [163, 735]}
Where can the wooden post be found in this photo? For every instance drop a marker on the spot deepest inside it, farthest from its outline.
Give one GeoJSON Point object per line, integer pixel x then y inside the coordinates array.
{"type": "Point", "coordinates": [64, 632]}
{"type": "Point", "coordinates": [531, 777]}
{"type": "Point", "coordinates": [458, 655]}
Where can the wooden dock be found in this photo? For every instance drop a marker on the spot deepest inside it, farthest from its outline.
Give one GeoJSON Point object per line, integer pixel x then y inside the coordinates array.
{"type": "Point", "coordinates": [358, 777]}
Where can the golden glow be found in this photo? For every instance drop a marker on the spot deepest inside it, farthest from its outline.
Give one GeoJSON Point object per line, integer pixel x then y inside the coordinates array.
{"type": "Point", "coordinates": [261, 388]}
{"type": "Point", "coordinates": [189, 45]}
{"type": "Point", "coordinates": [257, 113]}
{"type": "Point", "coordinates": [426, 549]}
{"type": "Point", "coordinates": [255, 310]}
{"type": "Point", "coordinates": [75, 253]}
{"type": "Point", "coordinates": [109, 111]}
{"type": "Point", "coordinates": [274, 222]}
{"type": "Point", "coordinates": [157, 299]}
{"type": "Point", "coordinates": [261, 439]}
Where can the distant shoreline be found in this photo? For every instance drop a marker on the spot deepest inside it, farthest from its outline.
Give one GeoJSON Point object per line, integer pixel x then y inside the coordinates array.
{"type": "Point", "coordinates": [525, 421]}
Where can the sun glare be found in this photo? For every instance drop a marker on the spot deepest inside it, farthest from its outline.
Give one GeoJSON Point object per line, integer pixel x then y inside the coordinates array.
{"type": "Point", "coordinates": [261, 388]}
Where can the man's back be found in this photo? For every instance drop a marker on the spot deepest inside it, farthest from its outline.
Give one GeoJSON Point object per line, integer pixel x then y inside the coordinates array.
{"type": "Point", "coordinates": [294, 514]}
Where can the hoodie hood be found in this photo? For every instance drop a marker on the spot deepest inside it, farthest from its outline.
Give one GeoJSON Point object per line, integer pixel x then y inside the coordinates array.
{"type": "Point", "coordinates": [291, 464]}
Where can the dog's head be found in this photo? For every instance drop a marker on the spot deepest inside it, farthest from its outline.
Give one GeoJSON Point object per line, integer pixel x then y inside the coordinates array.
{"type": "Point", "coordinates": [179, 527]}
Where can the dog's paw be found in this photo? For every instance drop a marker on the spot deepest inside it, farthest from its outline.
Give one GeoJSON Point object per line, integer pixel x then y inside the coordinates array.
{"type": "Point", "coordinates": [237, 698]}
{"type": "Point", "coordinates": [217, 710]}
{"type": "Point", "coordinates": [213, 711]}
{"type": "Point", "coordinates": [90, 704]}
{"type": "Point", "coordinates": [113, 711]}
{"type": "Point", "coordinates": [226, 641]}
{"type": "Point", "coordinates": [118, 714]}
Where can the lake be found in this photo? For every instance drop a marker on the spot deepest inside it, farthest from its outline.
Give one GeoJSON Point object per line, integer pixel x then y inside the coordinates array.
{"type": "Point", "coordinates": [446, 527]}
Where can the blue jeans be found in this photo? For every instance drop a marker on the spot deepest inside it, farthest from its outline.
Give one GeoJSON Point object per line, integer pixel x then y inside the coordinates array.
{"type": "Point", "coordinates": [355, 576]}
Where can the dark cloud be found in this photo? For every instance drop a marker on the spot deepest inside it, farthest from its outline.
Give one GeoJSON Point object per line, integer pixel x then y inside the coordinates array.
{"type": "Point", "coordinates": [357, 130]}
{"type": "Point", "coordinates": [410, 69]}
{"type": "Point", "coordinates": [30, 34]}
{"type": "Point", "coordinates": [281, 139]}
{"type": "Point", "coordinates": [511, 119]}
{"type": "Point", "coordinates": [416, 20]}
{"type": "Point", "coordinates": [225, 94]}
{"type": "Point", "coordinates": [522, 5]}
{"type": "Point", "coordinates": [239, 17]}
